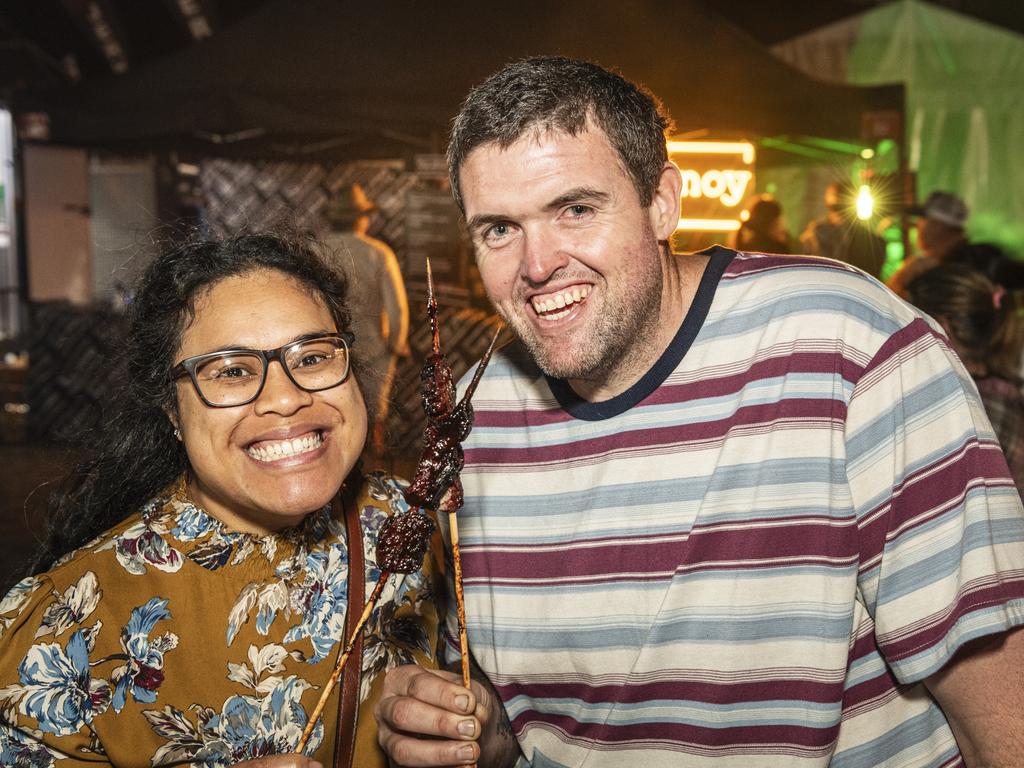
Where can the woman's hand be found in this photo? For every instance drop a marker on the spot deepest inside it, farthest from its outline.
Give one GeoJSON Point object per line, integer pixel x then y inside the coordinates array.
{"type": "Point", "coordinates": [281, 761]}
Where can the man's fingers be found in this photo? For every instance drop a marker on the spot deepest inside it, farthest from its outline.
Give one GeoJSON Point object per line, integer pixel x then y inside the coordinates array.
{"type": "Point", "coordinates": [426, 718]}
{"type": "Point", "coordinates": [413, 715]}
{"type": "Point", "coordinates": [431, 686]}
{"type": "Point", "coordinates": [411, 752]}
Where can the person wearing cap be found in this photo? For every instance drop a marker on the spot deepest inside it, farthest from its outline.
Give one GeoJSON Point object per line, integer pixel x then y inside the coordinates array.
{"type": "Point", "coordinates": [380, 313]}
{"type": "Point", "coordinates": [940, 232]}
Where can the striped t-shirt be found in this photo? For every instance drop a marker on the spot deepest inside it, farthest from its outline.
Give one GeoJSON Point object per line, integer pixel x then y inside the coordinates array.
{"type": "Point", "coordinates": [755, 555]}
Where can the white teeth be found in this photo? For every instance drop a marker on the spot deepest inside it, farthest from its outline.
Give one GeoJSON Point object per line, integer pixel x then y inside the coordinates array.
{"type": "Point", "coordinates": [561, 300]}
{"type": "Point", "coordinates": [283, 448]}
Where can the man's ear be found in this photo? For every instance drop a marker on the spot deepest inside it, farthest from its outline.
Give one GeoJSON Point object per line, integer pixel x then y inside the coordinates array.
{"type": "Point", "coordinates": [664, 208]}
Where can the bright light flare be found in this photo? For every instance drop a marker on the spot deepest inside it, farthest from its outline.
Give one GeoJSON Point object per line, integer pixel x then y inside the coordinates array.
{"type": "Point", "coordinates": [865, 203]}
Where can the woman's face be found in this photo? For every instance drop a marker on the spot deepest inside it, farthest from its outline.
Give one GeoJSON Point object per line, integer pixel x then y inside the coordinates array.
{"type": "Point", "coordinates": [231, 477]}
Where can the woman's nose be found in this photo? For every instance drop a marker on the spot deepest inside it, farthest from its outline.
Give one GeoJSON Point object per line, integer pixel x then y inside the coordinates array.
{"type": "Point", "coordinates": [280, 394]}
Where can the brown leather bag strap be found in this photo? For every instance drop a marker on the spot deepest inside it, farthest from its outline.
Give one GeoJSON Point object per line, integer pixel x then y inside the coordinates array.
{"type": "Point", "coordinates": [348, 707]}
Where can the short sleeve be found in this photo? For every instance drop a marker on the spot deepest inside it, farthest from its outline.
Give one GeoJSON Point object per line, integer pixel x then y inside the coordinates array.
{"type": "Point", "coordinates": [940, 521]}
{"type": "Point", "coordinates": [47, 695]}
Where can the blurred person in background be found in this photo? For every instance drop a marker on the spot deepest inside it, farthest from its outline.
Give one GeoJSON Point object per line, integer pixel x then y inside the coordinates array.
{"type": "Point", "coordinates": [940, 223]}
{"type": "Point", "coordinates": [380, 316]}
{"type": "Point", "coordinates": [764, 230]}
{"type": "Point", "coordinates": [190, 600]}
{"type": "Point", "coordinates": [839, 235]}
{"type": "Point", "coordinates": [993, 262]}
{"type": "Point", "coordinates": [986, 331]}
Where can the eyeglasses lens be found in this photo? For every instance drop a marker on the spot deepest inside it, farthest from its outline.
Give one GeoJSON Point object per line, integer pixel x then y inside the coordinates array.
{"type": "Point", "coordinates": [318, 363]}
{"type": "Point", "coordinates": [235, 378]}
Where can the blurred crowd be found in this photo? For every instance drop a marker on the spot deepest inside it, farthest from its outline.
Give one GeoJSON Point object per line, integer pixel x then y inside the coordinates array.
{"type": "Point", "coordinates": [973, 290]}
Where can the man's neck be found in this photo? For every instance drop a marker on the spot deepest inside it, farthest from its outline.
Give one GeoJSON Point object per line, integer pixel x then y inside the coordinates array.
{"type": "Point", "coordinates": [683, 274]}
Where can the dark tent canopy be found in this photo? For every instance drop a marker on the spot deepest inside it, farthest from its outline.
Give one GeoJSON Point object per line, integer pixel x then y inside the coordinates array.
{"type": "Point", "coordinates": [346, 79]}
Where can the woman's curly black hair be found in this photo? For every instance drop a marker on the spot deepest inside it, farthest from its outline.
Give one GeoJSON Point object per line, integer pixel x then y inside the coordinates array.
{"type": "Point", "coordinates": [136, 454]}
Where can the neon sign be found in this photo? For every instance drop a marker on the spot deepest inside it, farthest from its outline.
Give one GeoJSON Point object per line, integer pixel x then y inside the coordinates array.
{"type": "Point", "coordinates": [717, 177]}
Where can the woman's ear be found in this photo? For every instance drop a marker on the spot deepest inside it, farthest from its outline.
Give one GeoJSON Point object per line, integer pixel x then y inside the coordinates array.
{"type": "Point", "coordinates": [172, 416]}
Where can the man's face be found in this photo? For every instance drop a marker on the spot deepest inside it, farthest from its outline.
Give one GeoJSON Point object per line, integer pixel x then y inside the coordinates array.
{"type": "Point", "coordinates": [931, 233]}
{"type": "Point", "coordinates": [567, 254]}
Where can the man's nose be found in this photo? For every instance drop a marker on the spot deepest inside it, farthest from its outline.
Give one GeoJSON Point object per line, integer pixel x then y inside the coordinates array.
{"type": "Point", "coordinates": [545, 253]}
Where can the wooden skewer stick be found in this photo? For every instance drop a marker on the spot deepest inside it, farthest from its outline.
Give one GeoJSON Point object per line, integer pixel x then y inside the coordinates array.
{"type": "Point", "coordinates": [340, 664]}
{"type": "Point", "coordinates": [460, 599]}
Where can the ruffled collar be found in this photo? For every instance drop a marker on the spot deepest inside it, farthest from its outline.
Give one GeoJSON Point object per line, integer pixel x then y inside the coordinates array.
{"type": "Point", "coordinates": [204, 539]}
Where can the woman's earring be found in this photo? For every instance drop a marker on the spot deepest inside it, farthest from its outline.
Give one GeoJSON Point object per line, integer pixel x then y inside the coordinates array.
{"type": "Point", "coordinates": [177, 434]}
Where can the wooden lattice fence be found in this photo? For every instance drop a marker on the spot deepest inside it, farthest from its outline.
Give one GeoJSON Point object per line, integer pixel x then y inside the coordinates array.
{"type": "Point", "coordinates": [242, 195]}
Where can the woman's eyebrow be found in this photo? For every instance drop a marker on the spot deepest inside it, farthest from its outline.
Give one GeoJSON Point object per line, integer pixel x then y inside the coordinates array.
{"type": "Point", "coordinates": [293, 340]}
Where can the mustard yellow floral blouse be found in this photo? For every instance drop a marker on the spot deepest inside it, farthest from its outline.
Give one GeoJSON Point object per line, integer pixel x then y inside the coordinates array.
{"type": "Point", "coordinates": [170, 640]}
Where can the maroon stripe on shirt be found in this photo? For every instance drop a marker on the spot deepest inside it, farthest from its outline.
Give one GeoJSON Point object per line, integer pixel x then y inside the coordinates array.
{"type": "Point", "coordinates": [785, 363]}
{"type": "Point", "coordinates": [784, 545]}
{"type": "Point", "coordinates": [785, 737]}
{"type": "Point", "coordinates": [683, 691]}
{"type": "Point", "coordinates": [973, 597]}
{"type": "Point", "coordinates": [932, 492]}
{"type": "Point", "coordinates": [741, 265]}
{"type": "Point", "coordinates": [776, 415]}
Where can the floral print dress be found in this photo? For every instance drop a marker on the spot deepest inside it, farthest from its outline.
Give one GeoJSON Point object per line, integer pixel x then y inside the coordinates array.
{"type": "Point", "coordinates": [170, 640]}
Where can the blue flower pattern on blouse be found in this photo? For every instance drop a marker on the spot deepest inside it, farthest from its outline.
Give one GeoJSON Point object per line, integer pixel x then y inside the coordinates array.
{"type": "Point", "coordinates": [142, 675]}
{"type": "Point", "coordinates": [24, 749]}
{"type": "Point", "coordinates": [63, 689]}
{"type": "Point", "coordinates": [321, 601]}
{"type": "Point", "coordinates": [58, 689]}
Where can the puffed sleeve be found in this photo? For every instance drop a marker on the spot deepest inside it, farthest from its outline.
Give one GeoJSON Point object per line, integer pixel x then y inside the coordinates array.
{"type": "Point", "coordinates": [48, 698]}
{"type": "Point", "coordinates": [940, 521]}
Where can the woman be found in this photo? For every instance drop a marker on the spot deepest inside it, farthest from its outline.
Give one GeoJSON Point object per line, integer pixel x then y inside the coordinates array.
{"type": "Point", "coordinates": [198, 572]}
{"type": "Point", "coordinates": [985, 330]}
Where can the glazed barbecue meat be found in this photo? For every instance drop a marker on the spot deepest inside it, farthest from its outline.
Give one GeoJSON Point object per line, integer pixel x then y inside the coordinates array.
{"type": "Point", "coordinates": [442, 458]}
{"type": "Point", "coordinates": [402, 542]}
{"type": "Point", "coordinates": [448, 423]}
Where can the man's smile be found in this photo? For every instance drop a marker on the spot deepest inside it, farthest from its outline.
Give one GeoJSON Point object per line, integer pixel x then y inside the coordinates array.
{"type": "Point", "coordinates": [554, 306]}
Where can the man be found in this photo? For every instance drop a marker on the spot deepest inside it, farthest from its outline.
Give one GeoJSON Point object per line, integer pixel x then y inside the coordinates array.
{"type": "Point", "coordinates": [940, 236]}
{"type": "Point", "coordinates": [721, 508]}
{"type": "Point", "coordinates": [380, 316]}
{"type": "Point", "coordinates": [839, 236]}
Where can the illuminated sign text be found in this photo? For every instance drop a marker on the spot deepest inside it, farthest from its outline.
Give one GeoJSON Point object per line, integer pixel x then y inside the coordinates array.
{"type": "Point", "coordinates": [717, 176]}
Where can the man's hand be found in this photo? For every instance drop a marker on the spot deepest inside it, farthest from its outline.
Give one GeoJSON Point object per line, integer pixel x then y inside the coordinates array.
{"type": "Point", "coordinates": [426, 718]}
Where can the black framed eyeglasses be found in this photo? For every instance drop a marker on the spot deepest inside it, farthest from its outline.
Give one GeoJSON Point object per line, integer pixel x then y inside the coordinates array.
{"type": "Point", "coordinates": [233, 377]}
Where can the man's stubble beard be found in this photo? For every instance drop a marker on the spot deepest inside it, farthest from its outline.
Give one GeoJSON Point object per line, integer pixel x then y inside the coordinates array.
{"type": "Point", "coordinates": [621, 333]}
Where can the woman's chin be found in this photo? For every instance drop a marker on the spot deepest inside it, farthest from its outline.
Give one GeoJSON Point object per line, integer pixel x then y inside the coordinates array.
{"type": "Point", "coordinates": [297, 506]}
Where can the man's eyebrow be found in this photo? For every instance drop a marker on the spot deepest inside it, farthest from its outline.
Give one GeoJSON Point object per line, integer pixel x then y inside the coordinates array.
{"type": "Point", "coordinates": [484, 220]}
{"type": "Point", "coordinates": [579, 195]}
{"type": "Point", "coordinates": [575, 195]}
